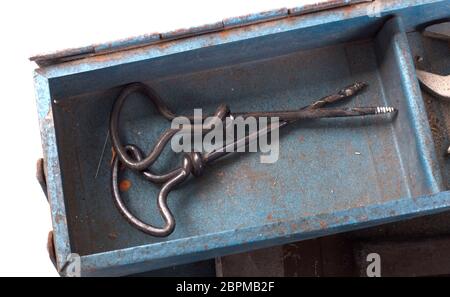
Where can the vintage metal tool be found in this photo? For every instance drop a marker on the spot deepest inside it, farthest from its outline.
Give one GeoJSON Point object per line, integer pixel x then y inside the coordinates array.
{"type": "Point", "coordinates": [193, 162]}
{"type": "Point", "coordinates": [436, 85]}
{"type": "Point", "coordinates": [438, 31]}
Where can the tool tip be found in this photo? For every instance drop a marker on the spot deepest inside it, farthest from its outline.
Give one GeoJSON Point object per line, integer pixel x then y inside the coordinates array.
{"type": "Point", "coordinates": [360, 85]}
{"type": "Point", "coordinates": [353, 89]}
{"type": "Point", "coordinates": [385, 109]}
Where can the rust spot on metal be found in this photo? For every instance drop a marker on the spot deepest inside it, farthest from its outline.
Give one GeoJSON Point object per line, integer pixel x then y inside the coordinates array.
{"type": "Point", "coordinates": [59, 218]}
{"type": "Point", "coordinates": [269, 217]}
{"type": "Point", "coordinates": [347, 10]}
{"type": "Point", "coordinates": [305, 226]}
{"type": "Point", "coordinates": [293, 226]}
{"type": "Point", "coordinates": [254, 176]}
{"type": "Point", "coordinates": [51, 247]}
{"type": "Point", "coordinates": [125, 185]}
{"type": "Point", "coordinates": [224, 34]}
{"type": "Point", "coordinates": [249, 19]}
{"type": "Point", "coordinates": [41, 176]}
{"type": "Point", "coordinates": [112, 235]}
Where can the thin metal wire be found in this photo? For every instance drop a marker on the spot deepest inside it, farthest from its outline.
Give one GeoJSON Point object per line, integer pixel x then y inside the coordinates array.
{"type": "Point", "coordinates": [102, 155]}
{"type": "Point", "coordinates": [194, 163]}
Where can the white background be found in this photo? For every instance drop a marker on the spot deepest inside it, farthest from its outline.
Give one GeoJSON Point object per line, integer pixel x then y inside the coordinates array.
{"type": "Point", "coordinates": [31, 27]}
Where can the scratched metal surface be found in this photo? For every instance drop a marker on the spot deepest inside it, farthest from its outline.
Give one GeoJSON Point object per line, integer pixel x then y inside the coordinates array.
{"type": "Point", "coordinates": [319, 186]}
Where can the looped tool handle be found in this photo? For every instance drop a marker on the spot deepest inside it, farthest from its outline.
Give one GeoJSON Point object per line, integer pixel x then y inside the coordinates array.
{"type": "Point", "coordinates": [193, 163]}
{"type": "Point", "coordinates": [132, 157]}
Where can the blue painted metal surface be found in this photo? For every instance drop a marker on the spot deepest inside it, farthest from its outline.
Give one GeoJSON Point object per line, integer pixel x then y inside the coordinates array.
{"type": "Point", "coordinates": [242, 204]}
{"type": "Point", "coordinates": [435, 57]}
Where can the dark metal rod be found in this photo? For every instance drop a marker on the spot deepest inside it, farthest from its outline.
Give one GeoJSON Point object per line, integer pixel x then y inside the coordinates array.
{"type": "Point", "coordinates": [194, 163]}
{"type": "Point", "coordinates": [308, 112]}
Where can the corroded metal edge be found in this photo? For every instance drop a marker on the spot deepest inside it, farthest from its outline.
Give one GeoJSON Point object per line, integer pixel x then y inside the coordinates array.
{"type": "Point", "coordinates": [154, 256]}
{"type": "Point", "coordinates": [52, 169]}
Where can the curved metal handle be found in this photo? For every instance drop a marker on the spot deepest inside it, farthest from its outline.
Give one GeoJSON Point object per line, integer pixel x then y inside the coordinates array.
{"type": "Point", "coordinates": [169, 180]}
{"type": "Point", "coordinates": [114, 126]}
{"type": "Point", "coordinates": [132, 157]}
{"type": "Point", "coordinates": [143, 163]}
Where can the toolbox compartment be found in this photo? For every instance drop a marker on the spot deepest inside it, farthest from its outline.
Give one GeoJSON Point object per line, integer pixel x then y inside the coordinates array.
{"type": "Point", "coordinates": [433, 55]}
{"type": "Point", "coordinates": [332, 175]}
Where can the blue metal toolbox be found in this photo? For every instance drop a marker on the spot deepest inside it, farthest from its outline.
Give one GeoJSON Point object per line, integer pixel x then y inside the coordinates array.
{"type": "Point", "coordinates": [332, 176]}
